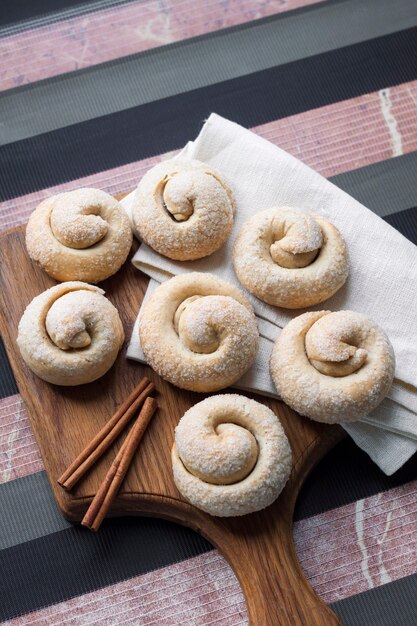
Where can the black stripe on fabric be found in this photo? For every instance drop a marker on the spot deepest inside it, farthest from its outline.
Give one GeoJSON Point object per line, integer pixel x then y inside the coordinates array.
{"type": "Point", "coordinates": [28, 510]}
{"type": "Point", "coordinates": [8, 385]}
{"type": "Point", "coordinates": [25, 14]}
{"type": "Point", "coordinates": [15, 11]}
{"type": "Point", "coordinates": [347, 474]}
{"type": "Point", "coordinates": [73, 562]}
{"type": "Point", "coordinates": [385, 187]}
{"type": "Point", "coordinates": [405, 222]}
{"type": "Point", "coordinates": [126, 136]}
{"type": "Point", "coordinates": [392, 604]}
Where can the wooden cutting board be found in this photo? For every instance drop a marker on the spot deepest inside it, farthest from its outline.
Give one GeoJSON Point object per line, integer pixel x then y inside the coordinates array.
{"type": "Point", "coordinates": [259, 547]}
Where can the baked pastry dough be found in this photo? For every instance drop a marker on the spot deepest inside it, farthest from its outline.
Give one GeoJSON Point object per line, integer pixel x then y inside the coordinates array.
{"type": "Point", "coordinates": [198, 332]}
{"type": "Point", "coordinates": [79, 235]}
{"type": "Point", "coordinates": [332, 367]}
{"type": "Point", "coordinates": [183, 209]}
{"type": "Point", "coordinates": [230, 456]}
{"type": "Point", "coordinates": [70, 334]}
{"type": "Point", "coordinates": [290, 258]}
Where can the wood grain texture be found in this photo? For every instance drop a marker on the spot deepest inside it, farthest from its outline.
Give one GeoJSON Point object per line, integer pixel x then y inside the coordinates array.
{"type": "Point", "coordinates": [259, 547]}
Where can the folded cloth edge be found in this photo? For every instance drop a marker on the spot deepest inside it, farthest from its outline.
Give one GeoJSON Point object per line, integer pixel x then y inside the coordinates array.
{"type": "Point", "coordinates": [367, 427]}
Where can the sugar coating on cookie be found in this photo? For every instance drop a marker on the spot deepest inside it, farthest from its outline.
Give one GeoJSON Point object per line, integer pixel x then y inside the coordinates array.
{"type": "Point", "coordinates": [230, 456]}
{"type": "Point", "coordinates": [198, 332]}
{"type": "Point", "coordinates": [183, 209]}
{"type": "Point", "coordinates": [290, 258]}
{"type": "Point", "coordinates": [82, 235]}
{"type": "Point", "coordinates": [332, 366]}
{"type": "Point", "coordinates": [70, 334]}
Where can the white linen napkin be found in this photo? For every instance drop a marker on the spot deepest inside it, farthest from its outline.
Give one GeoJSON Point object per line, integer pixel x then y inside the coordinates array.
{"type": "Point", "coordinates": [382, 281]}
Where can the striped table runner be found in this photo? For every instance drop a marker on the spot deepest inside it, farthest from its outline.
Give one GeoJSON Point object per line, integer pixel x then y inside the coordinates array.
{"type": "Point", "coordinates": [96, 93]}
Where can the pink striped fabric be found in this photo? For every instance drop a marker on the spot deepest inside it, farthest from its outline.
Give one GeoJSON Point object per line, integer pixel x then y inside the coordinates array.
{"type": "Point", "coordinates": [331, 139]}
{"type": "Point", "coordinates": [352, 133]}
{"type": "Point", "coordinates": [19, 454]}
{"type": "Point", "coordinates": [361, 545]}
{"type": "Point", "coordinates": [112, 33]}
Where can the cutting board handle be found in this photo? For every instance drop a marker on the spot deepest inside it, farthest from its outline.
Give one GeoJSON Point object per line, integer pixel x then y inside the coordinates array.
{"type": "Point", "coordinates": [276, 590]}
{"type": "Point", "coordinates": [262, 555]}
{"type": "Point", "coordinates": [259, 547]}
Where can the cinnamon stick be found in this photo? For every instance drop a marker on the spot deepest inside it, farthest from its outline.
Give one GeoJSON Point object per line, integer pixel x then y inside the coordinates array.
{"type": "Point", "coordinates": [115, 476]}
{"type": "Point", "coordinates": [107, 435]}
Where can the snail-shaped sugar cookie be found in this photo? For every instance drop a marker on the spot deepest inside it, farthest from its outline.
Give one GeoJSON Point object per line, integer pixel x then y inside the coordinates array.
{"type": "Point", "coordinates": [332, 367]}
{"type": "Point", "coordinates": [183, 209]}
{"type": "Point", "coordinates": [70, 334]}
{"type": "Point", "coordinates": [290, 258]}
{"type": "Point", "coordinates": [198, 332]}
{"type": "Point", "coordinates": [79, 235]}
{"type": "Point", "coordinates": [230, 456]}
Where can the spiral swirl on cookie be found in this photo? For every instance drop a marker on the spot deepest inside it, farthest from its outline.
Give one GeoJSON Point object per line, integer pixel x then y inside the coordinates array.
{"type": "Point", "coordinates": [79, 235]}
{"type": "Point", "coordinates": [70, 334]}
{"type": "Point", "coordinates": [198, 332]}
{"type": "Point", "coordinates": [230, 456]}
{"type": "Point", "coordinates": [290, 258]}
{"type": "Point", "coordinates": [332, 367]}
{"type": "Point", "coordinates": [183, 209]}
